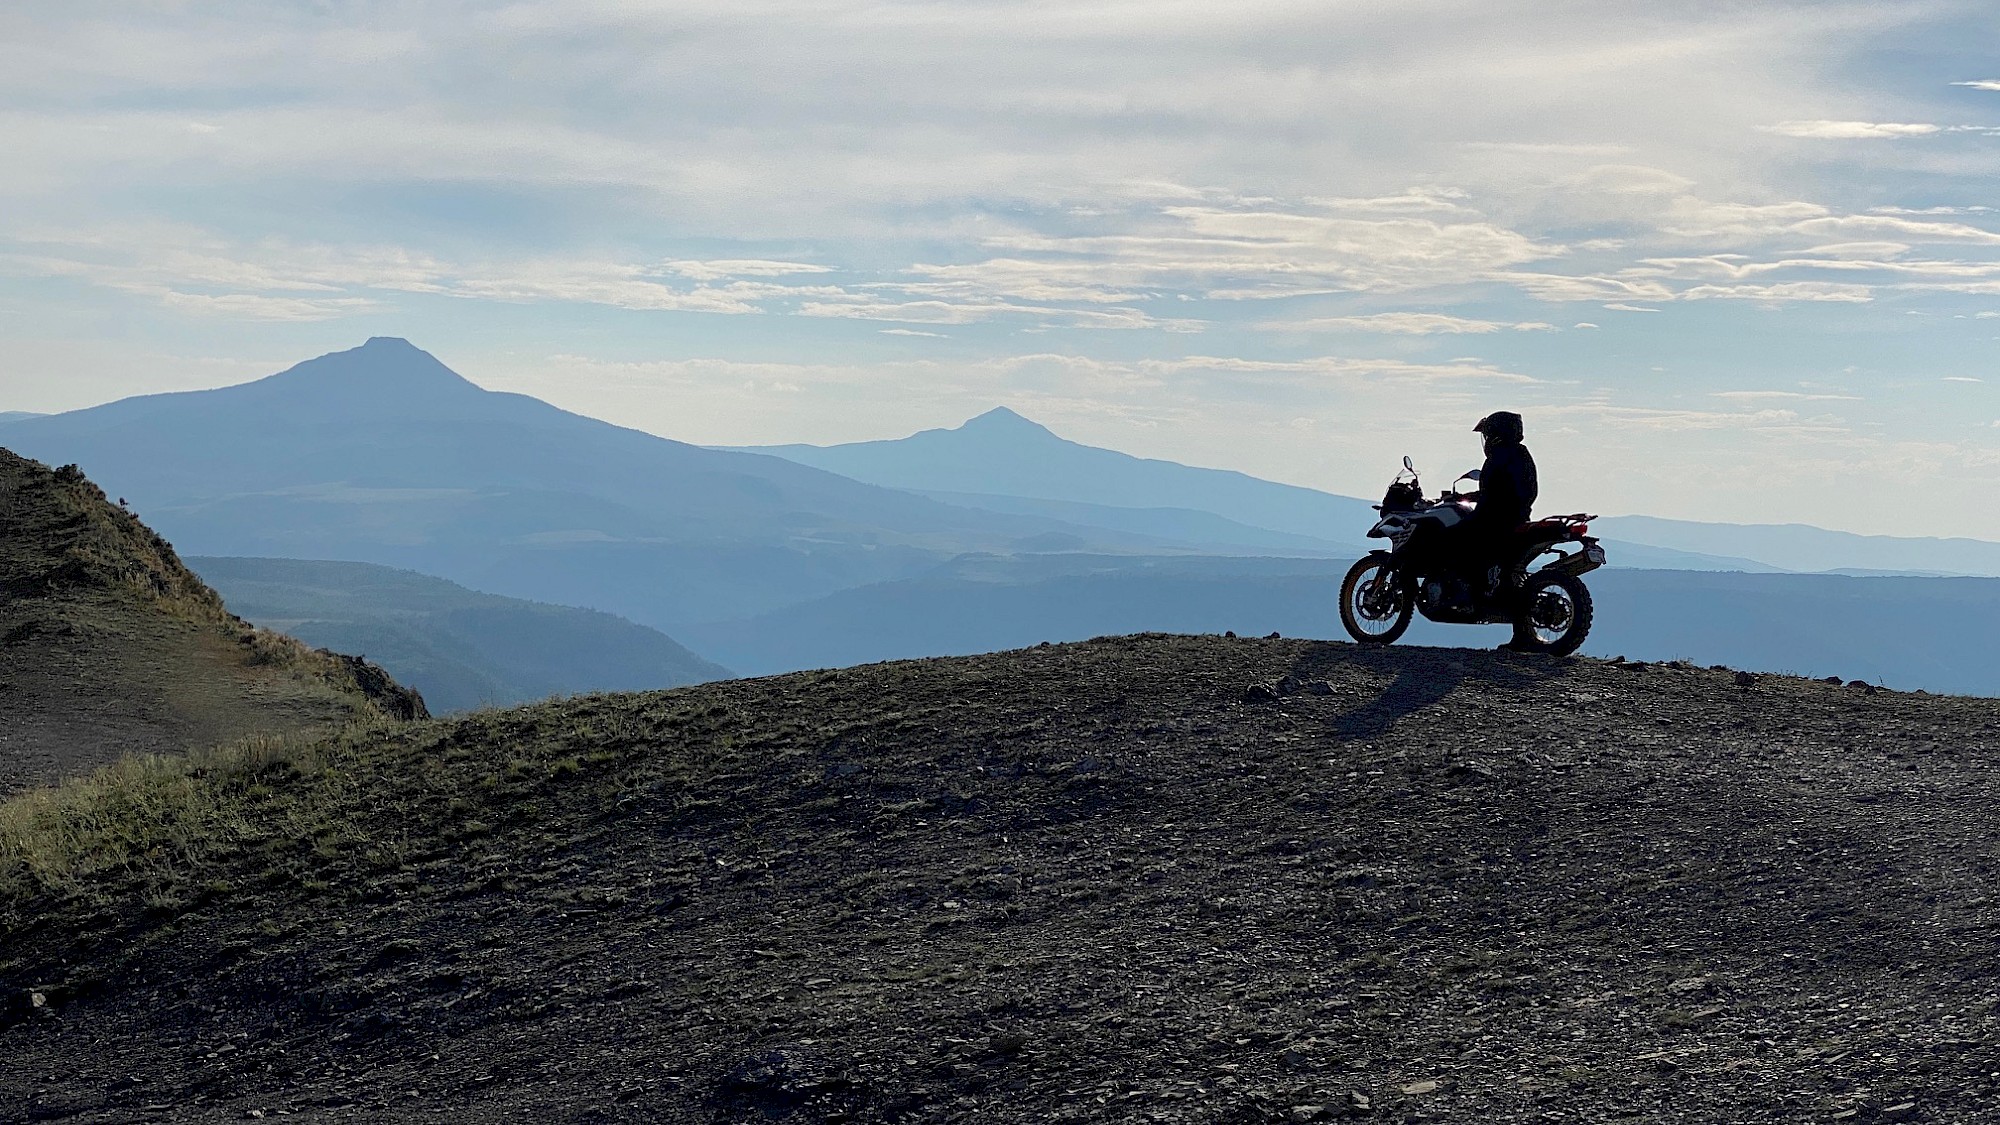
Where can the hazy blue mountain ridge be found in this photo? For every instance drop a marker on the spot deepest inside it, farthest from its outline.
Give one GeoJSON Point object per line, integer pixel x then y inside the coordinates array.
{"type": "Point", "coordinates": [1624, 554]}
{"type": "Point", "coordinates": [7, 416]}
{"type": "Point", "coordinates": [992, 533]}
{"type": "Point", "coordinates": [382, 454]}
{"type": "Point", "coordinates": [1902, 632]}
{"type": "Point", "coordinates": [460, 648]}
{"type": "Point", "coordinates": [1000, 453]}
{"type": "Point", "coordinates": [1188, 525]}
{"type": "Point", "coordinates": [1219, 535]}
{"type": "Point", "coordinates": [1005, 462]}
{"type": "Point", "coordinates": [1801, 547]}
{"type": "Point", "coordinates": [389, 416]}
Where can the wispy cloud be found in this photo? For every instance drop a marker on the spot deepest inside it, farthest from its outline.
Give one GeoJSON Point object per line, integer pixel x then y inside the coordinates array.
{"type": "Point", "coordinates": [1981, 83]}
{"type": "Point", "coordinates": [1341, 365]}
{"type": "Point", "coordinates": [716, 270]}
{"type": "Point", "coordinates": [1256, 249]}
{"type": "Point", "coordinates": [860, 307]}
{"type": "Point", "coordinates": [197, 271]}
{"type": "Point", "coordinates": [1658, 419]}
{"type": "Point", "coordinates": [250, 306]}
{"type": "Point", "coordinates": [1850, 130]}
{"type": "Point", "coordinates": [1781, 291]}
{"type": "Point", "coordinates": [1408, 324]}
{"type": "Point", "coordinates": [1560, 287]}
{"type": "Point", "coordinates": [1974, 209]}
{"type": "Point", "coordinates": [1804, 396]}
{"type": "Point", "coordinates": [1892, 226]}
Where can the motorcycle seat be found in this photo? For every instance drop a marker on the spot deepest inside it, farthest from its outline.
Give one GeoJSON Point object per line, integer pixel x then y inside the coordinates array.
{"type": "Point", "coordinates": [1542, 530]}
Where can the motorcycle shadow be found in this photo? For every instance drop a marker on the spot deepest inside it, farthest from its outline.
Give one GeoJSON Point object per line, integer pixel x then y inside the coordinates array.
{"type": "Point", "coordinates": [1420, 678]}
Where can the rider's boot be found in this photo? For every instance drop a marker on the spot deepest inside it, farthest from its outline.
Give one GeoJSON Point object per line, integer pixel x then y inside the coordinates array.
{"type": "Point", "coordinates": [1523, 639]}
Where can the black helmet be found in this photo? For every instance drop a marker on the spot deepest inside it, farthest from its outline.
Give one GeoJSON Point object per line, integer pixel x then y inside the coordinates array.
{"type": "Point", "coordinates": [1501, 425]}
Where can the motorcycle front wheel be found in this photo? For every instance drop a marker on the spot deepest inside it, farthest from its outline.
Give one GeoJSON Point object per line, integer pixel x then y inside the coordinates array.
{"type": "Point", "coordinates": [1374, 607]}
{"type": "Point", "coordinates": [1555, 613]}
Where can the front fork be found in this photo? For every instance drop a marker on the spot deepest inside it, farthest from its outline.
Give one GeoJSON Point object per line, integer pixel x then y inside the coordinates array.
{"type": "Point", "coordinates": [1390, 583]}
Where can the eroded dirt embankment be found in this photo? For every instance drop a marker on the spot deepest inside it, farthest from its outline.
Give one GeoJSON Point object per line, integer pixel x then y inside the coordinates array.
{"type": "Point", "coordinates": [110, 646]}
{"type": "Point", "coordinates": [1082, 883]}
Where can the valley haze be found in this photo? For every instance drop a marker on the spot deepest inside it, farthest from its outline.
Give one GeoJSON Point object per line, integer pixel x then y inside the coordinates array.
{"type": "Point", "coordinates": [992, 534]}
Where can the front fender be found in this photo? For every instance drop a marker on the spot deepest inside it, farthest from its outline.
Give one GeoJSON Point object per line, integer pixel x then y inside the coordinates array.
{"type": "Point", "coordinates": [1390, 564]}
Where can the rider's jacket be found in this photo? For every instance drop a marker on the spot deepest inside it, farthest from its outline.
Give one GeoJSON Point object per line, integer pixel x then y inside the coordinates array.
{"type": "Point", "coordinates": [1507, 488]}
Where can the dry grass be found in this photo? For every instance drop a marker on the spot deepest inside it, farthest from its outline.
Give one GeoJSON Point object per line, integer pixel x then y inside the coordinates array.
{"type": "Point", "coordinates": [67, 547]}
{"type": "Point", "coordinates": [169, 829]}
{"type": "Point", "coordinates": [97, 543]}
{"type": "Point", "coordinates": [161, 820]}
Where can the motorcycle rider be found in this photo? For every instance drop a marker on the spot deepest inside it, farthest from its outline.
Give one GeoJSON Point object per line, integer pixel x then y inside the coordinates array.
{"type": "Point", "coordinates": [1506, 495]}
{"type": "Point", "coordinates": [1507, 489]}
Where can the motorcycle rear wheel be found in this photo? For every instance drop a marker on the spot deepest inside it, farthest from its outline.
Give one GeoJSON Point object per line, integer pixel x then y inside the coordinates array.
{"type": "Point", "coordinates": [1555, 613]}
{"type": "Point", "coordinates": [1374, 607]}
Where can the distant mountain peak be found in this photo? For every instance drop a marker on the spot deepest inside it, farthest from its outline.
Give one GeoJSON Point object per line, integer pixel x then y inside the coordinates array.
{"type": "Point", "coordinates": [1001, 420]}
{"type": "Point", "coordinates": [388, 365]}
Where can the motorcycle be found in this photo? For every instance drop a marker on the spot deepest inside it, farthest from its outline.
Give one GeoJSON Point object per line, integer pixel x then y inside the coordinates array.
{"type": "Point", "coordinates": [1548, 604]}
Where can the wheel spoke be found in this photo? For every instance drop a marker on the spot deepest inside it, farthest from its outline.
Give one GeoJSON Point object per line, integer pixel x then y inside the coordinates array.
{"type": "Point", "coordinates": [1375, 604]}
{"type": "Point", "coordinates": [1557, 614]}
{"type": "Point", "coordinates": [1552, 614]}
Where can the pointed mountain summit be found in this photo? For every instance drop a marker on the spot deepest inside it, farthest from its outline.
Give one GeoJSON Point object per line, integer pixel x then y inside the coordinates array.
{"type": "Point", "coordinates": [387, 372]}
{"type": "Point", "coordinates": [109, 645]}
{"type": "Point", "coordinates": [1002, 422]}
{"type": "Point", "coordinates": [383, 379]}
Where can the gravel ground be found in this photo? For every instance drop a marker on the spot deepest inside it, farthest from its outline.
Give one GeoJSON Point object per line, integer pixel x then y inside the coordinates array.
{"type": "Point", "coordinates": [1135, 879]}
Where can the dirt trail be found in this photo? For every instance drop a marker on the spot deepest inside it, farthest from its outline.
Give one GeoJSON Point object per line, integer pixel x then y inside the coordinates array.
{"type": "Point", "coordinates": [1082, 883]}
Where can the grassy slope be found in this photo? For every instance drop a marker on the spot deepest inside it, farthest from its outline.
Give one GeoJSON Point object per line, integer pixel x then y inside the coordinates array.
{"type": "Point", "coordinates": [1083, 883]}
{"type": "Point", "coordinates": [461, 648]}
{"type": "Point", "coordinates": [108, 645]}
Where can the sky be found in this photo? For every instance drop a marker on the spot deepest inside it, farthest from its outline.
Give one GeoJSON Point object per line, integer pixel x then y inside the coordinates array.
{"type": "Point", "coordinates": [1732, 261]}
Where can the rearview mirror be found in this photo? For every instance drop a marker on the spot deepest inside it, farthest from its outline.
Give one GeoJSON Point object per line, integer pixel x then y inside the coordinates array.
{"type": "Point", "coordinates": [1473, 475]}
{"type": "Point", "coordinates": [1407, 467]}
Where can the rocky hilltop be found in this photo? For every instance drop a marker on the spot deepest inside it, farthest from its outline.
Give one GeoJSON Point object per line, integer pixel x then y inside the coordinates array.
{"type": "Point", "coordinates": [110, 646]}
{"type": "Point", "coordinates": [1137, 879]}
